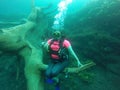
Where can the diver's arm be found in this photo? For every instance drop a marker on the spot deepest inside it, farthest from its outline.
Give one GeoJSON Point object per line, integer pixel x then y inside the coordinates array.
{"type": "Point", "coordinates": [74, 55]}
{"type": "Point", "coordinates": [45, 45]}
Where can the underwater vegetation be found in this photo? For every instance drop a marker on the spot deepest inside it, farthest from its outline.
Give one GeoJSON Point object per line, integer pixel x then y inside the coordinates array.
{"type": "Point", "coordinates": [94, 32]}
{"type": "Point", "coordinates": [96, 35]}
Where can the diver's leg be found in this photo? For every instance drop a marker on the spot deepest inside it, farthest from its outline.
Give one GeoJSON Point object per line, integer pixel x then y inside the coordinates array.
{"type": "Point", "coordinates": [59, 67]}
{"type": "Point", "coordinates": [48, 72]}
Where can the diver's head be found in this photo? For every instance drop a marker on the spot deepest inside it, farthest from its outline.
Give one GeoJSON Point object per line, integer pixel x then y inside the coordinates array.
{"type": "Point", "coordinates": [57, 34]}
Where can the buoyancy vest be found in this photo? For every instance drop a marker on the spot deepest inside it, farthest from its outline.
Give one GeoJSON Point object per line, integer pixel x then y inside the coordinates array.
{"type": "Point", "coordinates": [60, 52]}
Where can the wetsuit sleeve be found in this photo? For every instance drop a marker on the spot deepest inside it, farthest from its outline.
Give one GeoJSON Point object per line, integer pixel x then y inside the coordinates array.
{"type": "Point", "coordinates": [66, 44]}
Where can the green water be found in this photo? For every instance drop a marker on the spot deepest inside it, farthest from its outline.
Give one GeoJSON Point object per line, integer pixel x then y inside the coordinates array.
{"type": "Point", "coordinates": [93, 28]}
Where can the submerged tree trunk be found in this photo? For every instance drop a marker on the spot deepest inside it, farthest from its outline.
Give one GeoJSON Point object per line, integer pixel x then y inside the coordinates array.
{"type": "Point", "coordinates": [33, 68]}
{"type": "Point", "coordinates": [13, 40]}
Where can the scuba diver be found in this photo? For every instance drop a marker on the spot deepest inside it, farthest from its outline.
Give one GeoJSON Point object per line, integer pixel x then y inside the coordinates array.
{"type": "Point", "coordinates": [59, 50]}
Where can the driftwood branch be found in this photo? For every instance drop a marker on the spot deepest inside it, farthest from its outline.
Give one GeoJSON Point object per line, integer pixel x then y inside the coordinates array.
{"type": "Point", "coordinates": [78, 69]}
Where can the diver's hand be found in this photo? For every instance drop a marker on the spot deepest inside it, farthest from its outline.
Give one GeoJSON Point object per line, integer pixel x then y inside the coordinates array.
{"type": "Point", "coordinates": [42, 44]}
{"type": "Point", "coordinates": [79, 64]}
